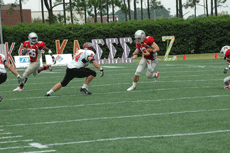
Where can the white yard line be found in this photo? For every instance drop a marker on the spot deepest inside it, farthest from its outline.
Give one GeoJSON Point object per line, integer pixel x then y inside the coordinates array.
{"type": "Point", "coordinates": [17, 147]}
{"type": "Point", "coordinates": [118, 92]}
{"type": "Point", "coordinates": [16, 141]}
{"type": "Point", "coordinates": [39, 151]}
{"type": "Point", "coordinates": [130, 72]}
{"type": "Point", "coordinates": [119, 102]}
{"type": "Point", "coordinates": [123, 138]}
{"type": "Point", "coordinates": [139, 137]}
{"type": "Point", "coordinates": [18, 136]}
{"type": "Point", "coordinates": [149, 81]}
{"type": "Point", "coordinates": [38, 145]}
{"type": "Point", "coordinates": [6, 133]}
{"type": "Point", "coordinates": [113, 117]}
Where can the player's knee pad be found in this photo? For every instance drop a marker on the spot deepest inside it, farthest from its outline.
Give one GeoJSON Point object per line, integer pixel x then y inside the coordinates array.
{"type": "Point", "coordinates": [227, 79]}
{"type": "Point", "coordinates": [149, 74]}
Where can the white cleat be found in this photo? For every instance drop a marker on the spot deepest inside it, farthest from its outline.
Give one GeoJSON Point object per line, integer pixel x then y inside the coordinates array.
{"type": "Point", "coordinates": [19, 89]}
{"type": "Point", "coordinates": [131, 88]}
{"type": "Point", "coordinates": [157, 76]}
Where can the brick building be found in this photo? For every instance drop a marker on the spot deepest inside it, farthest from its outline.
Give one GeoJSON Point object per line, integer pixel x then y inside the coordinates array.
{"type": "Point", "coordinates": [10, 18]}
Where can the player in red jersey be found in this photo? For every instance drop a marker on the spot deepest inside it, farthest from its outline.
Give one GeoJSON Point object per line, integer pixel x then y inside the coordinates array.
{"type": "Point", "coordinates": [34, 47]}
{"type": "Point", "coordinates": [149, 60]}
{"type": "Point", "coordinates": [225, 53]}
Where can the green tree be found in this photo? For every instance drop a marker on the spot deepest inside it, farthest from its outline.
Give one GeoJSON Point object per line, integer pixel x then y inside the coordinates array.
{"type": "Point", "coordinates": [155, 4]}
{"type": "Point", "coordinates": [115, 3]}
{"type": "Point", "coordinates": [159, 13]}
{"type": "Point", "coordinates": [218, 3]}
{"type": "Point", "coordinates": [192, 4]}
{"type": "Point", "coordinates": [180, 9]}
{"type": "Point", "coordinates": [129, 10]}
{"type": "Point", "coordinates": [135, 8]}
{"type": "Point", "coordinates": [49, 7]}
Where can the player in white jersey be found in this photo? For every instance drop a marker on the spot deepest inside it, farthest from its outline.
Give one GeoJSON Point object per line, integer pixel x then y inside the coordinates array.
{"type": "Point", "coordinates": [77, 69]}
{"type": "Point", "coordinates": [34, 47]}
{"type": "Point", "coordinates": [3, 76]}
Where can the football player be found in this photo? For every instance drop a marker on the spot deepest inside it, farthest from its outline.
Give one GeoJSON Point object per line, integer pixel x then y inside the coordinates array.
{"type": "Point", "coordinates": [77, 69]}
{"type": "Point", "coordinates": [225, 54]}
{"type": "Point", "coordinates": [34, 47]}
{"type": "Point", "coordinates": [149, 60]}
{"type": "Point", "coordinates": [3, 76]}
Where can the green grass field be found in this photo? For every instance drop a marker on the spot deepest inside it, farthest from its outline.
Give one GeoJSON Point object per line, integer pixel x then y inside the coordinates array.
{"type": "Point", "coordinates": [187, 111]}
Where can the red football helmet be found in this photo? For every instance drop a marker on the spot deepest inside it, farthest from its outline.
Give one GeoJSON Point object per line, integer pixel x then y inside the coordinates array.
{"type": "Point", "coordinates": [88, 46]}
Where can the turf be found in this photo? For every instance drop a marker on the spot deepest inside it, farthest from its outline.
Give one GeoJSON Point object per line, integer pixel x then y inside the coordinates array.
{"type": "Point", "coordinates": [186, 111]}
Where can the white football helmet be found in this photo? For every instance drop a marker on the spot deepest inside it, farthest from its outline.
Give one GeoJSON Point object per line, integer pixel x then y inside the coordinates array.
{"type": "Point", "coordinates": [33, 38]}
{"type": "Point", "coordinates": [223, 51]}
{"type": "Point", "coordinates": [139, 34]}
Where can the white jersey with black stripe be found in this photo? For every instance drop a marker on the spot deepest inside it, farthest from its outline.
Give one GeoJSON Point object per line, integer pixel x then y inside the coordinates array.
{"type": "Point", "coordinates": [2, 66]}
{"type": "Point", "coordinates": [80, 59]}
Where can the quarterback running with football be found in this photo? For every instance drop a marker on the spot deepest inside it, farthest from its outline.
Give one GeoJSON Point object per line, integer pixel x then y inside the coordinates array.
{"type": "Point", "coordinates": [225, 53]}
{"type": "Point", "coordinates": [149, 60]}
{"type": "Point", "coordinates": [34, 47]}
{"type": "Point", "coordinates": [3, 76]}
{"type": "Point", "coordinates": [77, 69]}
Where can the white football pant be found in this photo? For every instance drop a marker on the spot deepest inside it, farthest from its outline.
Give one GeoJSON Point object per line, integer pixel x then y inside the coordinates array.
{"type": "Point", "coordinates": [143, 64]}
{"type": "Point", "coordinates": [32, 68]}
{"type": "Point", "coordinates": [227, 80]}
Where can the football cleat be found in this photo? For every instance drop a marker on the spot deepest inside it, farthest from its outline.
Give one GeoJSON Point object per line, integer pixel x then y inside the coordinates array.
{"type": "Point", "coordinates": [46, 67]}
{"type": "Point", "coordinates": [47, 95]}
{"type": "Point", "coordinates": [84, 90]}
{"type": "Point", "coordinates": [157, 76]}
{"type": "Point", "coordinates": [19, 89]}
{"type": "Point", "coordinates": [131, 88]}
{"type": "Point", "coordinates": [227, 87]}
{"type": "Point", "coordinates": [1, 98]}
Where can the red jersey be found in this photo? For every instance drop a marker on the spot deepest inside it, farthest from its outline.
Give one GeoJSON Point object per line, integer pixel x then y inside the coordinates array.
{"type": "Point", "coordinates": [34, 51]}
{"type": "Point", "coordinates": [227, 56]}
{"type": "Point", "coordinates": [149, 40]}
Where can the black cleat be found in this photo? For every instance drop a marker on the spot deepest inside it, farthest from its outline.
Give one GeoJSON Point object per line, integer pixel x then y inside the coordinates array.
{"type": "Point", "coordinates": [84, 90]}
{"type": "Point", "coordinates": [1, 98]}
{"type": "Point", "coordinates": [47, 95]}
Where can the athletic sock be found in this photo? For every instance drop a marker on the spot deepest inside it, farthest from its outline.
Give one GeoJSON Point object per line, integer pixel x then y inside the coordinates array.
{"type": "Point", "coordinates": [50, 92]}
{"type": "Point", "coordinates": [84, 86]}
{"type": "Point", "coordinates": [134, 84]}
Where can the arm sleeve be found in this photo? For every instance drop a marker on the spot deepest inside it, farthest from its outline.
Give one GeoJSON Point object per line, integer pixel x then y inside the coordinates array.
{"type": "Point", "coordinates": [25, 44]}
{"type": "Point", "coordinates": [42, 45]}
{"type": "Point", "coordinates": [227, 56]}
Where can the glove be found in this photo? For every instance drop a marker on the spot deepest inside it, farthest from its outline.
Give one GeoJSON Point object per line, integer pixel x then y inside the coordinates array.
{"type": "Point", "coordinates": [54, 61]}
{"type": "Point", "coordinates": [24, 51]}
{"type": "Point", "coordinates": [102, 73]}
{"type": "Point", "coordinates": [20, 79]}
{"type": "Point", "coordinates": [225, 70]}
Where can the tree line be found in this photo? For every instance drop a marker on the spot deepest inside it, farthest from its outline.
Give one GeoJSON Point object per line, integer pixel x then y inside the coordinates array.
{"type": "Point", "coordinates": [100, 8]}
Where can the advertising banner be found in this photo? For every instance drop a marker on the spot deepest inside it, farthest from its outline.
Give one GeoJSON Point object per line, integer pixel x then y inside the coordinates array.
{"type": "Point", "coordinates": [62, 59]}
{"type": "Point", "coordinates": [24, 61]}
